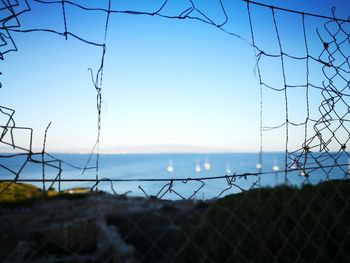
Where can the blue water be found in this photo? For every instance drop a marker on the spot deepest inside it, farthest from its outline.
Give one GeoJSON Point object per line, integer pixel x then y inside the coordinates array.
{"type": "Point", "coordinates": [156, 166]}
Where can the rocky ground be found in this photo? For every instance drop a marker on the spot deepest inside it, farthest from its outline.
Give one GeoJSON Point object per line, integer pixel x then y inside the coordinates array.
{"type": "Point", "coordinates": [92, 228]}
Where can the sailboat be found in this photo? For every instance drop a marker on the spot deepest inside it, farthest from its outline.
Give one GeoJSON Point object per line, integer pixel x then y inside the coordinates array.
{"type": "Point", "coordinates": [170, 167]}
{"type": "Point", "coordinates": [275, 168]}
{"type": "Point", "coordinates": [228, 169]}
{"type": "Point", "coordinates": [206, 166]}
{"type": "Point", "coordinates": [294, 164]}
{"type": "Point", "coordinates": [197, 168]}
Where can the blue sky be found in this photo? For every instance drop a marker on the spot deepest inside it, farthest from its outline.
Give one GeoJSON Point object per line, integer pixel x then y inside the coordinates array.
{"type": "Point", "coordinates": [166, 82]}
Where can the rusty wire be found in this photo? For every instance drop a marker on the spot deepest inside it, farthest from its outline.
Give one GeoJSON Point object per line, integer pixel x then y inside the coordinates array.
{"type": "Point", "coordinates": [303, 160]}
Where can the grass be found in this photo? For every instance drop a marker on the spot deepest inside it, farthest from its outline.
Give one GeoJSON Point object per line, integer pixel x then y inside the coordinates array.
{"type": "Point", "coordinates": [20, 193]}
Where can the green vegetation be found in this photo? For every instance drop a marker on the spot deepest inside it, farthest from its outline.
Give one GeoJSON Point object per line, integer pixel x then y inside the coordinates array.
{"type": "Point", "coordinates": [281, 224]}
{"type": "Point", "coordinates": [20, 193]}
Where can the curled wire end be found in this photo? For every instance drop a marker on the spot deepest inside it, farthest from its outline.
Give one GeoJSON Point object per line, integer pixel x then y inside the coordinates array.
{"type": "Point", "coordinates": [333, 12]}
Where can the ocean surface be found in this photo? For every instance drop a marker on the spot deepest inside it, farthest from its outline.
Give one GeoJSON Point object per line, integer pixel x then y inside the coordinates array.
{"type": "Point", "coordinates": [167, 166]}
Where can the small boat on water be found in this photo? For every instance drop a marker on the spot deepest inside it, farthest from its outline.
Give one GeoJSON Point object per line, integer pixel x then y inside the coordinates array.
{"type": "Point", "coordinates": [303, 173]}
{"type": "Point", "coordinates": [294, 164]}
{"type": "Point", "coordinates": [275, 168]}
{"type": "Point", "coordinates": [207, 165]}
{"type": "Point", "coordinates": [197, 168]}
{"type": "Point", "coordinates": [228, 169]}
{"type": "Point", "coordinates": [170, 167]}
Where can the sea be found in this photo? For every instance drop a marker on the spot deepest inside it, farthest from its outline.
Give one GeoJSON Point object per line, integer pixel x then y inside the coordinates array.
{"type": "Point", "coordinates": [199, 176]}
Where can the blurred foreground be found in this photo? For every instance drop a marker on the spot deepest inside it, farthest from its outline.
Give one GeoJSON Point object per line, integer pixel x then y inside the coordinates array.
{"type": "Point", "coordinates": [261, 225]}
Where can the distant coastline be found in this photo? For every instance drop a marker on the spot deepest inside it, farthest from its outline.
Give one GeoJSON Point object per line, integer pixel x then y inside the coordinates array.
{"type": "Point", "coordinates": [148, 149]}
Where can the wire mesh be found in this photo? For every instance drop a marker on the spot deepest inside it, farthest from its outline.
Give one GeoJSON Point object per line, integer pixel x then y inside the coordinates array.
{"type": "Point", "coordinates": [217, 231]}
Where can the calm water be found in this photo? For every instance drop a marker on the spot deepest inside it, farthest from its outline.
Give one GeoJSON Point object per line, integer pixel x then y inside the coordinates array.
{"type": "Point", "coordinates": [161, 166]}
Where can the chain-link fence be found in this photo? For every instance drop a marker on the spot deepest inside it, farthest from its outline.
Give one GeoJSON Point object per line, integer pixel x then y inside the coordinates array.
{"type": "Point", "coordinates": [291, 222]}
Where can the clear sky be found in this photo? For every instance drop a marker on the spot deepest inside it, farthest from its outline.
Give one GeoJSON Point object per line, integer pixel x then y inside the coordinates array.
{"type": "Point", "coordinates": [166, 82]}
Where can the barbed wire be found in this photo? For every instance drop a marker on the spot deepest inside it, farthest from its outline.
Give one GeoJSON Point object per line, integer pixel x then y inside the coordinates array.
{"type": "Point", "coordinates": [302, 160]}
